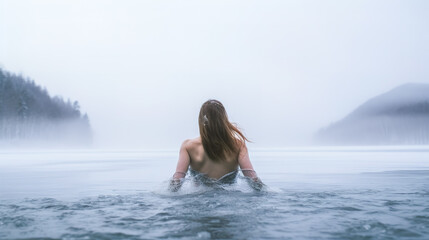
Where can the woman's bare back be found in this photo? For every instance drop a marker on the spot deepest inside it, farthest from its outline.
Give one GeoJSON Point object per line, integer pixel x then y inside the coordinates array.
{"type": "Point", "coordinates": [199, 161]}
{"type": "Point", "coordinates": [192, 154]}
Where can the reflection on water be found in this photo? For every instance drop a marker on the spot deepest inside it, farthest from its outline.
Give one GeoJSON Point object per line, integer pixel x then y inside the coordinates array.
{"type": "Point", "coordinates": [95, 199]}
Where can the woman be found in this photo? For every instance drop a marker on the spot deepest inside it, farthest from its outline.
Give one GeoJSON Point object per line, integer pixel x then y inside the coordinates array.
{"type": "Point", "coordinates": [215, 156]}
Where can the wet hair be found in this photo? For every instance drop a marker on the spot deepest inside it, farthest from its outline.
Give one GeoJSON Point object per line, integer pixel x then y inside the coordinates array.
{"type": "Point", "coordinates": [220, 138]}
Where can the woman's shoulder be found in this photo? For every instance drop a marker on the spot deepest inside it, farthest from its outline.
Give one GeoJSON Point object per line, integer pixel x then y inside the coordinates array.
{"type": "Point", "coordinates": [191, 143]}
{"type": "Point", "coordinates": [240, 143]}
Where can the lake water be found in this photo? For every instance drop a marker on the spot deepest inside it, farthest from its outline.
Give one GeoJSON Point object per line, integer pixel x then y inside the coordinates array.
{"type": "Point", "coordinates": [312, 193]}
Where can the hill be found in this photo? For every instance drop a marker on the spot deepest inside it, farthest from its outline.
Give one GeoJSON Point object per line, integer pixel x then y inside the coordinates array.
{"type": "Point", "coordinates": [400, 116]}
{"type": "Point", "coordinates": [30, 116]}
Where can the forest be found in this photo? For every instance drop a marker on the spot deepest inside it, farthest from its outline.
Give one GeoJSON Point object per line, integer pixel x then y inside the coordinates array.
{"type": "Point", "coordinates": [30, 116]}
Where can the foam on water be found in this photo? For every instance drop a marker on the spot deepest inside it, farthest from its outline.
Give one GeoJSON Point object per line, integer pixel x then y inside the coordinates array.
{"type": "Point", "coordinates": [224, 214]}
{"type": "Point", "coordinates": [125, 199]}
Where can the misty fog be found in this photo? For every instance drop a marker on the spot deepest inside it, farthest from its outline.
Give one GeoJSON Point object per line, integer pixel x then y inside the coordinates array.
{"type": "Point", "coordinates": [397, 117]}
{"type": "Point", "coordinates": [30, 117]}
{"type": "Point", "coordinates": [283, 69]}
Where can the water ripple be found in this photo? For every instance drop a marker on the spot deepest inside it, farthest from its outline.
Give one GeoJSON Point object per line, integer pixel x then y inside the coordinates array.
{"type": "Point", "coordinates": [221, 214]}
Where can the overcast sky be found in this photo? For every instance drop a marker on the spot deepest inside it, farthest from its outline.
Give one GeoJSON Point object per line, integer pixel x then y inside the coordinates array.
{"type": "Point", "coordinates": [283, 69]}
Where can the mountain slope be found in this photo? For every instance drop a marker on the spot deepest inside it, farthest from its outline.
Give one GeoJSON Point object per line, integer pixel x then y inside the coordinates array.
{"type": "Point", "coordinates": [29, 115]}
{"type": "Point", "coordinates": [400, 116]}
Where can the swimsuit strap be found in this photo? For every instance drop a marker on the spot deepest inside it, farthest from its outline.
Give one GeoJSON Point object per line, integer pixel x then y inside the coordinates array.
{"type": "Point", "coordinates": [229, 177]}
{"type": "Point", "coordinates": [228, 174]}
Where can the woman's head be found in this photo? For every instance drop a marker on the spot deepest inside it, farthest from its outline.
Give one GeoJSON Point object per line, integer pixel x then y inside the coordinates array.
{"type": "Point", "coordinates": [219, 137]}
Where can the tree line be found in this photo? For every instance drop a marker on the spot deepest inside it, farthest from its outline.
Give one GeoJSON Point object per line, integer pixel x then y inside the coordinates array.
{"type": "Point", "coordinates": [28, 113]}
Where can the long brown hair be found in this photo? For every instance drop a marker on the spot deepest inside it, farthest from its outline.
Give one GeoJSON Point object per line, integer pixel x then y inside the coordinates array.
{"type": "Point", "coordinates": [220, 138]}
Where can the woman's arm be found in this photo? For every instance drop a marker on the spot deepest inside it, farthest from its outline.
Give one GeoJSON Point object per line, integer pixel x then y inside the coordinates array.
{"type": "Point", "coordinates": [247, 168]}
{"type": "Point", "coordinates": [181, 169]}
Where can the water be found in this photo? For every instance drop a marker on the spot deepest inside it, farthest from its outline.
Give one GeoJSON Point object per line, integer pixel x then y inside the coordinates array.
{"type": "Point", "coordinates": [318, 193]}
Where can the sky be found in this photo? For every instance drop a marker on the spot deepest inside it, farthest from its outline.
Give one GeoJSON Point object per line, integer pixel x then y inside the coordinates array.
{"type": "Point", "coordinates": [283, 69]}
